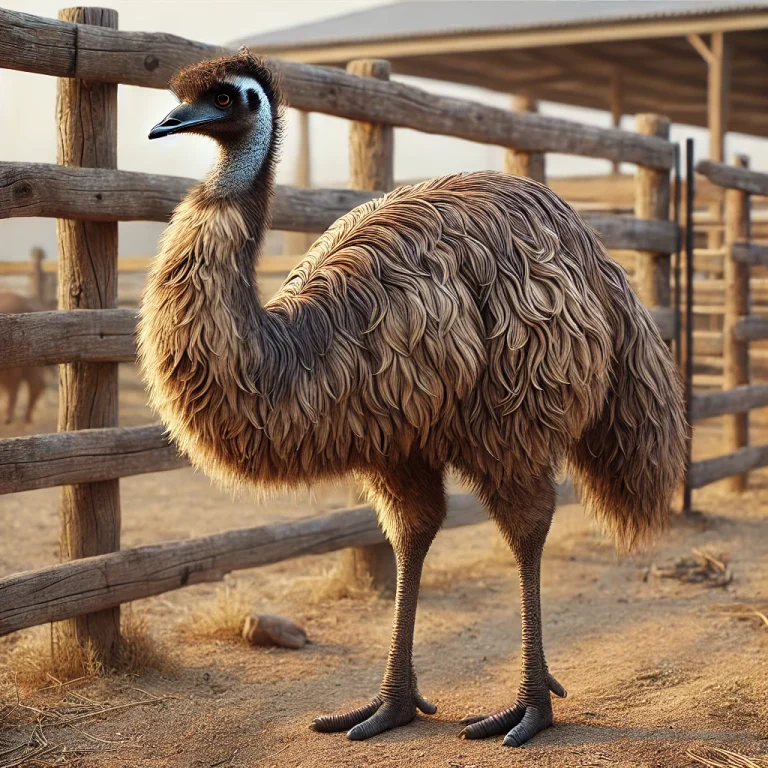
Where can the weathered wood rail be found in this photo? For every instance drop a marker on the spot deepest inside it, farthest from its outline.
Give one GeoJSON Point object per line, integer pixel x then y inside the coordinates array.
{"type": "Point", "coordinates": [74, 52]}
{"type": "Point", "coordinates": [97, 583]}
{"type": "Point", "coordinates": [62, 49]}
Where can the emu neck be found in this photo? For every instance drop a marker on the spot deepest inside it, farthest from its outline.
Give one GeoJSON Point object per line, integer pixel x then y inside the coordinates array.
{"type": "Point", "coordinates": [238, 167]}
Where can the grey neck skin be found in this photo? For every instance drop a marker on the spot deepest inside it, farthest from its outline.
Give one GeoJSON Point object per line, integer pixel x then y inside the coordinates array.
{"type": "Point", "coordinates": [241, 161]}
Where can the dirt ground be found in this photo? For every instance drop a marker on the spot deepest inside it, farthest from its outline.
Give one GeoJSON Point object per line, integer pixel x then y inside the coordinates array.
{"type": "Point", "coordinates": [654, 667]}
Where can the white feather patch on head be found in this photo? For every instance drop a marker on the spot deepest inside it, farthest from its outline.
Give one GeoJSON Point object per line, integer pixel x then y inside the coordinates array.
{"type": "Point", "coordinates": [242, 166]}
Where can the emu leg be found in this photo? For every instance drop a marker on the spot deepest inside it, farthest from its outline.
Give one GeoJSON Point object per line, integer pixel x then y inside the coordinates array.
{"type": "Point", "coordinates": [36, 386]}
{"type": "Point", "coordinates": [526, 530]}
{"type": "Point", "coordinates": [411, 508]}
{"type": "Point", "coordinates": [13, 392]}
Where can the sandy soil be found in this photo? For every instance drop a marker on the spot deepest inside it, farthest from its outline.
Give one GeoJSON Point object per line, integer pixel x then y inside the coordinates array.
{"type": "Point", "coordinates": [652, 667]}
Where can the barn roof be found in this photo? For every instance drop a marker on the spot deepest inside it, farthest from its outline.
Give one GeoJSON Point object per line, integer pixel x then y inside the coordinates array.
{"type": "Point", "coordinates": [563, 51]}
{"type": "Point", "coordinates": [443, 17]}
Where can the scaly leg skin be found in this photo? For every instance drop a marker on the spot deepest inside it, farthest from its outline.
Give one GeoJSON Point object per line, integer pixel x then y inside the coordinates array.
{"type": "Point", "coordinates": [411, 505]}
{"type": "Point", "coordinates": [526, 528]}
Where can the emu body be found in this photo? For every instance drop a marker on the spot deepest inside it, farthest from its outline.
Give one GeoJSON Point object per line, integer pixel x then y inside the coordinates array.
{"type": "Point", "coordinates": [471, 322]}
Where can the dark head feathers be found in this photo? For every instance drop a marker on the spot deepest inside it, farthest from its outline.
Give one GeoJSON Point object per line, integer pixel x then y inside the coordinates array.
{"type": "Point", "coordinates": [192, 82]}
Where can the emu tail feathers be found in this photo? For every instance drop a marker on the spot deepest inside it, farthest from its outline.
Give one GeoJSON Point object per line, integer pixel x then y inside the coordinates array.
{"type": "Point", "coordinates": [633, 457]}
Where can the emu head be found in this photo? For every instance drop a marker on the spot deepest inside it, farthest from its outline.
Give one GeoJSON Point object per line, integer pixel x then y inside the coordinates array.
{"type": "Point", "coordinates": [231, 99]}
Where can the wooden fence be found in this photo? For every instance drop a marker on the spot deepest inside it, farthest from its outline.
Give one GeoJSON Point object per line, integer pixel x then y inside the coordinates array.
{"type": "Point", "coordinates": [88, 335]}
{"type": "Point", "coordinates": [740, 327]}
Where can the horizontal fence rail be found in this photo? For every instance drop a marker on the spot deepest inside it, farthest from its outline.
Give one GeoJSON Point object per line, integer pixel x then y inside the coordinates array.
{"type": "Point", "coordinates": [737, 400]}
{"type": "Point", "coordinates": [733, 177]}
{"type": "Point", "coordinates": [743, 460]}
{"type": "Point", "coordinates": [268, 263]}
{"type": "Point", "coordinates": [751, 328]}
{"type": "Point", "coordinates": [100, 194]}
{"type": "Point", "coordinates": [51, 47]}
{"type": "Point", "coordinates": [67, 336]}
{"type": "Point", "coordinates": [107, 335]}
{"type": "Point", "coordinates": [750, 253]}
{"type": "Point", "coordinates": [86, 455]}
{"type": "Point", "coordinates": [41, 189]}
{"type": "Point", "coordinates": [105, 581]}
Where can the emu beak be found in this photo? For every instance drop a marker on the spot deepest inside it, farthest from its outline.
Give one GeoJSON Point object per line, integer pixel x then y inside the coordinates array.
{"type": "Point", "coordinates": [186, 117]}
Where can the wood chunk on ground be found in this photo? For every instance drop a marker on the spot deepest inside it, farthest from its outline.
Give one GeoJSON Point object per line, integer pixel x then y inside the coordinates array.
{"type": "Point", "coordinates": [699, 568]}
{"type": "Point", "coordinates": [268, 630]}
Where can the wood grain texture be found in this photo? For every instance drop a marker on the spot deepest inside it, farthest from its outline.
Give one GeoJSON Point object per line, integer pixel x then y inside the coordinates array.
{"type": "Point", "coordinates": [532, 165]}
{"type": "Point", "coordinates": [39, 189]}
{"type": "Point", "coordinates": [371, 168]}
{"type": "Point", "coordinates": [371, 145]}
{"type": "Point", "coordinates": [737, 400]}
{"type": "Point", "coordinates": [75, 336]}
{"type": "Point", "coordinates": [86, 123]}
{"type": "Point", "coordinates": [97, 583]}
{"type": "Point", "coordinates": [149, 59]}
{"type": "Point", "coordinates": [84, 456]}
{"type": "Point", "coordinates": [652, 202]}
{"type": "Point", "coordinates": [738, 463]}
{"type": "Point", "coordinates": [735, 347]}
{"type": "Point", "coordinates": [733, 177]}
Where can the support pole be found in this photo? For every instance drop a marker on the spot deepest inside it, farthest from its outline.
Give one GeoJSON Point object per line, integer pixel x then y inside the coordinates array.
{"type": "Point", "coordinates": [718, 106]}
{"type": "Point", "coordinates": [297, 243]}
{"type": "Point", "coordinates": [86, 116]}
{"type": "Point", "coordinates": [371, 166]}
{"type": "Point", "coordinates": [735, 351]}
{"type": "Point", "coordinates": [617, 109]}
{"type": "Point", "coordinates": [529, 164]}
{"type": "Point", "coordinates": [652, 194]}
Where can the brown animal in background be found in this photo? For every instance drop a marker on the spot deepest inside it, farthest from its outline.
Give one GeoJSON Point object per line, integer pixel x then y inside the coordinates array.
{"type": "Point", "coordinates": [12, 378]}
{"type": "Point", "coordinates": [471, 322]}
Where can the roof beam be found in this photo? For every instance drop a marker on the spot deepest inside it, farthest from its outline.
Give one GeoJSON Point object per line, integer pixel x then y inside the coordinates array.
{"type": "Point", "coordinates": [701, 48]}
{"type": "Point", "coordinates": [520, 39]}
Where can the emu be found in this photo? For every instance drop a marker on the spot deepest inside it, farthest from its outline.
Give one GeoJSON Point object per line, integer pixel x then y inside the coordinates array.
{"type": "Point", "coordinates": [471, 322]}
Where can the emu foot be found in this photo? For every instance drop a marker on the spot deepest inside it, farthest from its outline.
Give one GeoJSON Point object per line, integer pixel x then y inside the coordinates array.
{"type": "Point", "coordinates": [519, 723]}
{"type": "Point", "coordinates": [382, 714]}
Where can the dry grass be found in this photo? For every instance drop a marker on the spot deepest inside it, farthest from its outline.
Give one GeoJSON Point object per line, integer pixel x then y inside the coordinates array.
{"type": "Point", "coordinates": [714, 757]}
{"type": "Point", "coordinates": [42, 656]}
{"type": "Point", "coordinates": [47, 728]}
{"type": "Point", "coordinates": [758, 614]}
{"type": "Point", "coordinates": [223, 619]}
{"type": "Point", "coordinates": [332, 585]}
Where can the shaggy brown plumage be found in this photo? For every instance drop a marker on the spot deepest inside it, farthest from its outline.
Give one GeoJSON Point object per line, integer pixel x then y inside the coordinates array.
{"type": "Point", "coordinates": [473, 321]}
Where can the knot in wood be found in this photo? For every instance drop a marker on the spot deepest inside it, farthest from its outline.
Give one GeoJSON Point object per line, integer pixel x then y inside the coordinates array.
{"type": "Point", "coordinates": [22, 190]}
{"type": "Point", "coordinates": [151, 62]}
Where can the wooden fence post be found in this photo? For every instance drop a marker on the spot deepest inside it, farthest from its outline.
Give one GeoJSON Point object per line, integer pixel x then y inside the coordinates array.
{"type": "Point", "coordinates": [652, 202]}
{"type": "Point", "coordinates": [36, 276]}
{"type": "Point", "coordinates": [529, 164]}
{"type": "Point", "coordinates": [86, 116]}
{"type": "Point", "coordinates": [735, 351]}
{"type": "Point", "coordinates": [371, 167]}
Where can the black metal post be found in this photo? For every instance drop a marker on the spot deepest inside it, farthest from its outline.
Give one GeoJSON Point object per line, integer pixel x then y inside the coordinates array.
{"type": "Point", "coordinates": [688, 370]}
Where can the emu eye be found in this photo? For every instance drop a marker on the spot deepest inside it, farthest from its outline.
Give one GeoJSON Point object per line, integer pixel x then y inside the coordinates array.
{"type": "Point", "coordinates": [223, 100]}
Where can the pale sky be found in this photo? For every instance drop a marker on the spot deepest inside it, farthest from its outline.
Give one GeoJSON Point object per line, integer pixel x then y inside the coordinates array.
{"type": "Point", "coordinates": [27, 103]}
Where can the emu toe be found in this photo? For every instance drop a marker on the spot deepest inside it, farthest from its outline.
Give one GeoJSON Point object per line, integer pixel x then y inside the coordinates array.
{"type": "Point", "coordinates": [519, 723]}
{"type": "Point", "coordinates": [382, 714]}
